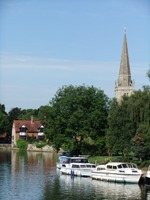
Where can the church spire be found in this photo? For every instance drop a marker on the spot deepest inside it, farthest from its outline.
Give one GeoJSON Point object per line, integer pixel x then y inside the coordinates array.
{"type": "Point", "coordinates": [124, 85]}
{"type": "Point", "coordinates": [124, 74]}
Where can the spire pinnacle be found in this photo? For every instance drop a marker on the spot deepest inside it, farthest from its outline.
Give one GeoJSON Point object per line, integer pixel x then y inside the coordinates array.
{"type": "Point", "coordinates": [125, 30]}
{"type": "Point", "coordinates": [124, 84]}
{"type": "Point", "coordinates": [124, 73]}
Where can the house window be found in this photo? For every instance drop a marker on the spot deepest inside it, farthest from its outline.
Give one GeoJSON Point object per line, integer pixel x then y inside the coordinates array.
{"type": "Point", "coordinates": [22, 134]}
{"type": "Point", "coordinates": [41, 134]}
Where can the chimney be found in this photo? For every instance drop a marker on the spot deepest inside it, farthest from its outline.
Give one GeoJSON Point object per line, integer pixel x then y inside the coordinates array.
{"type": "Point", "coordinates": [32, 120]}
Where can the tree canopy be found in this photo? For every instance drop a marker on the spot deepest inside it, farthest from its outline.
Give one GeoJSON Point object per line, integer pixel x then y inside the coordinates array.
{"type": "Point", "coordinates": [129, 124]}
{"type": "Point", "coordinates": [77, 119]}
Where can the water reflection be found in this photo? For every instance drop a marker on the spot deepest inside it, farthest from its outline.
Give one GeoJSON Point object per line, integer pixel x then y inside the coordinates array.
{"type": "Point", "coordinates": [93, 189]}
{"type": "Point", "coordinates": [33, 176]}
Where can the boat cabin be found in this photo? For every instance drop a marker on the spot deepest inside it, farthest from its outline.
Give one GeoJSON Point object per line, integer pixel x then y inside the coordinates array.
{"type": "Point", "coordinates": [120, 165]}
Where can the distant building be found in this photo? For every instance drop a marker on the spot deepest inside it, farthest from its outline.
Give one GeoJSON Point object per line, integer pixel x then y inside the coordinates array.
{"type": "Point", "coordinates": [124, 85]}
{"type": "Point", "coordinates": [22, 129]}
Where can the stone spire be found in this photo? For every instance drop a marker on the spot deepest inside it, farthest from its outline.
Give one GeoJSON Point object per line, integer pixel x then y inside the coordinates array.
{"type": "Point", "coordinates": [124, 84]}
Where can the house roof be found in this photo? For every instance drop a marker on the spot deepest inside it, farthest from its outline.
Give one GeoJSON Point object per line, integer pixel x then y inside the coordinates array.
{"type": "Point", "coordinates": [32, 126]}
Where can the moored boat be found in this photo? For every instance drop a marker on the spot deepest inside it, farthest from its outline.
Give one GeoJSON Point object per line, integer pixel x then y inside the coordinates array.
{"type": "Point", "coordinates": [147, 177]}
{"type": "Point", "coordinates": [117, 172]}
{"type": "Point", "coordinates": [62, 160]}
{"type": "Point", "coordinates": [75, 166]}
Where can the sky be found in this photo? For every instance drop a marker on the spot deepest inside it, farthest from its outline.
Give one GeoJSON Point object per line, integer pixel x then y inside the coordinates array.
{"type": "Point", "coordinates": [48, 44]}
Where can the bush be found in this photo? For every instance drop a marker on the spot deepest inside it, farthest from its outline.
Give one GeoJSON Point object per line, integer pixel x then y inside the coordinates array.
{"type": "Point", "coordinates": [40, 144]}
{"type": "Point", "coordinates": [31, 139]}
{"type": "Point", "coordinates": [22, 144]}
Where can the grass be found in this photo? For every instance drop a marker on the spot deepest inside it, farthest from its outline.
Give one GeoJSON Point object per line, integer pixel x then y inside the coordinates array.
{"type": "Point", "coordinates": [105, 159]}
{"type": "Point", "coordinates": [99, 159]}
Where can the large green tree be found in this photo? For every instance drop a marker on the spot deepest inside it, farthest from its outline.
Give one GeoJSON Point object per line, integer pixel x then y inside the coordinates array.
{"type": "Point", "coordinates": [77, 119]}
{"type": "Point", "coordinates": [127, 120]}
{"type": "Point", "coordinates": [4, 123]}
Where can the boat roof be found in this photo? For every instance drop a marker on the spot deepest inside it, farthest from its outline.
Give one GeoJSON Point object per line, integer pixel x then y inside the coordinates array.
{"type": "Point", "coordinates": [73, 157]}
{"type": "Point", "coordinates": [113, 164]}
{"type": "Point", "coordinates": [119, 163]}
{"type": "Point", "coordinates": [81, 157]}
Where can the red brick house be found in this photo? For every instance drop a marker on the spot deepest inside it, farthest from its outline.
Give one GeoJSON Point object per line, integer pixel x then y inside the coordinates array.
{"type": "Point", "coordinates": [22, 129]}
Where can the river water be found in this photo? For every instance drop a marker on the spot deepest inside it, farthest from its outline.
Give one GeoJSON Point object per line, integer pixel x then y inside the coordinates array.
{"type": "Point", "coordinates": [33, 176]}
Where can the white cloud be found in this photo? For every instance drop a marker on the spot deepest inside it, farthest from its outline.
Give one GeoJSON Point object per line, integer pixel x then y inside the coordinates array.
{"type": "Point", "coordinates": [29, 82]}
{"type": "Point", "coordinates": [27, 62]}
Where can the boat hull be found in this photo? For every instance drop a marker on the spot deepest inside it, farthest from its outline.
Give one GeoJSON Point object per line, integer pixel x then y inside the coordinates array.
{"type": "Point", "coordinates": [114, 177]}
{"type": "Point", "coordinates": [147, 180]}
{"type": "Point", "coordinates": [84, 172]}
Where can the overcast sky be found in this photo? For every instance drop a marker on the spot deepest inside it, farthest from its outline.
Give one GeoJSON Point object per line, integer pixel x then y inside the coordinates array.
{"type": "Point", "coordinates": [46, 44]}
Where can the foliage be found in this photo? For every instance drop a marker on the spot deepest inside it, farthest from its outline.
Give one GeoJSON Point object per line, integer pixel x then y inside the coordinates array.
{"type": "Point", "coordinates": [22, 144]}
{"type": "Point", "coordinates": [31, 139]}
{"type": "Point", "coordinates": [77, 119]}
{"type": "Point", "coordinates": [99, 159]}
{"type": "Point", "coordinates": [148, 74]}
{"type": "Point", "coordinates": [40, 144]}
{"type": "Point", "coordinates": [126, 121]}
{"type": "Point", "coordinates": [4, 123]}
{"type": "Point", "coordinates": [27, 113]}
{"type": "Point", "coordinates": [13, 114]}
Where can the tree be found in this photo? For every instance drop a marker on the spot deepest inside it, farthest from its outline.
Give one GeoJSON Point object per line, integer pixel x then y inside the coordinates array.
{"type": "Point", "coordinates": [4, 123]}
{"type": "Point", "coordinates": [119, 132]}
{"type": "Point", "coordinates": [141, 142]}
{"type": "Point", "coordinates": [14, 113]}
{"type": "Point", "coordinates": [128, 119]}
{"type": "Point", "coordinates": [2, 108]}
{"type": "Point", "coordinates": [27, 113]}
{"type": "Point", "coordinates": [77, 119]}
{"type": "Point", "coordinates": [148, 74]}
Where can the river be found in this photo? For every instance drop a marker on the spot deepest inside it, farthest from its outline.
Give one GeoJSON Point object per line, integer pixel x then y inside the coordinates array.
{"type": "Point", "coordinates": [33, 176]}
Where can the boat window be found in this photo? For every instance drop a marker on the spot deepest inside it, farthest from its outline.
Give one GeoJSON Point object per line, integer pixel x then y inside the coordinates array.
{"type": "Point", "coordinates": [119, 166]}
{"type": "Point", "coordinates": [100, 168]}
{"type": "Point", "coordinates": [134, 166]}
{"type": "Point", "coordinates": [82, 166]}
{"type": "Point", "coordinates": [129, 165]}
{"type": "Point", "coordinates": [94, 166]}
{"type": "Point", "coordinates": [79, 160]}
{"type": "Point", "coordinates": [75, 166]}
{"type": "Point", "coordinates": [63, 159]}
{"type": "Point", "coordinates": [88, 166]}
{"type": "Point", "coordinates": [125, 165]}
{"type": "Point", "coordinates": [114, 167]}
{"type": "Point", "coordinates": [84, 161]}
{"type": "Point", "coordinates": [109, 166]}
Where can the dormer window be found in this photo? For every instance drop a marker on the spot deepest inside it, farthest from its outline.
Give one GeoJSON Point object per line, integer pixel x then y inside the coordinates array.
{"type": "Point", "coordinates": [22, 133]}
{"type": "Point", "coordinates": [41, 134]}
{"type": "Point", "coordinates": [41, 129]}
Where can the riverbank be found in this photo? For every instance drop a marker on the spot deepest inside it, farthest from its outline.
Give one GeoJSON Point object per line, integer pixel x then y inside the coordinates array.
{"type": "Point", "coordinates": [5, 146]}
{"type": "Point", "coordinates": [31, 147]}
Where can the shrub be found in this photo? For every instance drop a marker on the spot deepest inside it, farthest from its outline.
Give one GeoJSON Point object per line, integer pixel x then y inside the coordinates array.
{"type": "Point", "coordinates": [40, 144]}
{"type": "Point", "coordinates": [22, 144]}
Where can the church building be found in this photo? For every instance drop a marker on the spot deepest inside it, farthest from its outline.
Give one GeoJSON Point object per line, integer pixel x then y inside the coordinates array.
{"type": "Point", "coordinates": [124, 85]}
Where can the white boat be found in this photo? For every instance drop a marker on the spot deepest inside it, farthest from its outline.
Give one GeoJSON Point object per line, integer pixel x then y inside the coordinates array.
{"type": "Point", "coordinates": [62, 160]}
{"type": "Point", "coordinates": [76, 166]}
{"type": "Point", "coordinates": [117, 172]}
{"type": "Point", "coordinates": [147, 177]}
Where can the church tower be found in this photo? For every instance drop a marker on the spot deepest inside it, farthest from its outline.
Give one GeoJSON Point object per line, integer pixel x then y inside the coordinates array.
{"type": "Point", "coordinates": [124, 84]}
